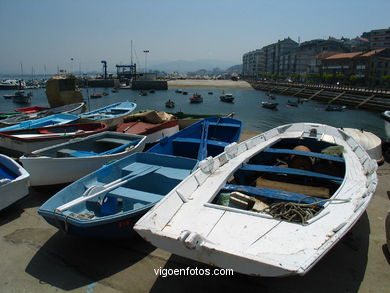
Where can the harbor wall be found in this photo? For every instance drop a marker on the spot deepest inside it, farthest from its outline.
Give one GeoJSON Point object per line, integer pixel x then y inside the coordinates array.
{"type": "Point", "coordinates": [358, 98]}
{"type": "Point", "coordinates": [149, 85]}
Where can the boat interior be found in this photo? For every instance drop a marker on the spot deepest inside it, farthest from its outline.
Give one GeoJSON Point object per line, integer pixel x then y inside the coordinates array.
{"type": "Point", "coordinates": [292, 173]}
{"type": "Point", "coordinates": [132, 192]}
{"type": "Point", "coordinates": [208, 139]}
{"type": "Point", "coordinates": [105, 144]}
{"type": "Point", "coordinates": [62, 129]}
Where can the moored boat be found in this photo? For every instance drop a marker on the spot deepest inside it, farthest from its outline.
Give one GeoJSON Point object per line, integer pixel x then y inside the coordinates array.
{"type": "Point", "coordinates": [69, 161]}
{"type": "Point", "coordinates": [20, 97]}
{"type": "Point", "coordinates": [207, 137]}
{"type": "Point", "coordinates": [14, 182]}
{"type": "Point", "coordinates": [95, 96]}
{"type": "Point", "coordinates": [31, 139]}
{"type": "Point", "coordinates": [111, 115]}
{"type": "Point", "coordinates": [196, 99]}
{"type": "Point", "coordinates": [107, 202]}
{"type": "Point", "coordinates": [227, 98]}
{"type": "Point", "coordinates": [386, 116]}
{"type": "Point", "coordinates": [170, 104]}
{"type": "Point", "coordinates": [269, 105]}
{"type": "Point", "coordinates": [187, 119]}
{"type": "Point", "coordinates": [335, 108]}
{"type": "Point", "coordinates": [267, 207]}
{"type": "Point", "coordinates": [31, 110]}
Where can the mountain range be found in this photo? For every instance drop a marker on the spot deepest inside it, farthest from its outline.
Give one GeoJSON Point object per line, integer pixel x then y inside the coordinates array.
{"type": "Point", "coordinates": [183, 66]}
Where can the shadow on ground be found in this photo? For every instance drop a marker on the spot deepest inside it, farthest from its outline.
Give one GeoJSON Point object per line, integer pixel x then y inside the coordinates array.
{"type": "Point", "coordinates": [341, 270]}
{"type": "Point", "coordinates": [69, 262]}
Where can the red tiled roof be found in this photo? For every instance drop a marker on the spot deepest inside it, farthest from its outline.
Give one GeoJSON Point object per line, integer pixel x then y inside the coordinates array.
{"type": "Point", "coordinates": [344, 55]}
{"type": "Point", "coordinates": [325, 54]}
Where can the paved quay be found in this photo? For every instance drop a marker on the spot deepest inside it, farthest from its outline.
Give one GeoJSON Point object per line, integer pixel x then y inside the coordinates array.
{"type": "Point", "coordinates": [36, 257]}
{"type": "Point", "coordinates": [209, 83]}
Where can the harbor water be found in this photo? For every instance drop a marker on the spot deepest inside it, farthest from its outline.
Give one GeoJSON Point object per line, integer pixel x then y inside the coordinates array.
{"type": "Point", "coordinates": [246, 106]}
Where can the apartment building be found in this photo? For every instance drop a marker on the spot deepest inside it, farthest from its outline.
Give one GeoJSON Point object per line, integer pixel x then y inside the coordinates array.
{"type": "Point", "coordinates": [380, 38]}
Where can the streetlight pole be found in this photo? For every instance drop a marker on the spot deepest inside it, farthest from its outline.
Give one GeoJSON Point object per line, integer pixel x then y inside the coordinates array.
{"type": "Point", "coordinates": [146, 52]}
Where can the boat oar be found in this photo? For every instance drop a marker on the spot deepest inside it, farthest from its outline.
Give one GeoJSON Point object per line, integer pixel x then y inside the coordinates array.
{"type": "Point", "coordinates": [99, 190]}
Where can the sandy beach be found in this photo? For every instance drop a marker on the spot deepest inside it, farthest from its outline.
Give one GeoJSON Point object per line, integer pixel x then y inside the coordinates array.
{"type": "Point", "coordinates": [209, 83]}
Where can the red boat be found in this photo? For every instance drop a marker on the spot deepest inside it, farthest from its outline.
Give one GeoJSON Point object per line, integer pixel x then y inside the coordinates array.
{"type": "Point", "coordinates": [196, 99]}
{"type": "Point", "coordinates": [94, 96]}
{"type": "Point", "coordinates": [28, 140]}
{"type": "Point", "coordinates": [31, 110]}
{"type": "Point", "coordinates": [153, 132]}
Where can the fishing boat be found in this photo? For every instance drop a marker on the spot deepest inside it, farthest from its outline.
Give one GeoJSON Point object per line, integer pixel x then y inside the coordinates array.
{"type": "Point", "coordinates": [115, 90]}
{"type": "Point", "coordinates": [271, 96]}
{"type": "Point", "coordinates": [14, 181]}
{"type": "Point", "coordinates": [227, 98]}
{"type": "Point", "coordinates": [170, 104]}
{"type": "Point", "coordinates": [185, 93]}
{"type": "Point", "coordinates": [96, 96]}
{"type": "Point", "coordinates": [69, 161]}
{"type": "Point", "coordinates": [56, 119]}
{"type": "Point", "coordinates": [196, 99]}
{"type": "Point", "coordinates": [153, 131]}
{"type": "Point", "coordinates": [273, 205]}
{"type": "Point", "coordinates": [207, 137]}
{"type": "Point", "coordinates": [269, 105]}
{"type": "Point", "coordinates": [335, 108]}
{"type": "Point", "coordinates": [72, 108]}
{"type": "Point", "coordinates": [20, 97]}
{"type": "Point", "coordinates": [107, 202]}
{"type": "Point", "coordinates": [179, 91]}
{"type": "Point", "coordinates": [386, 116]}
{"type": "Point", "coordinates": [111, 115]}
{"type": "Point", "coordinates": [142, 93]}
{"type": "Point", "coordinates": [12, 84]}
{"type": "Point", "coordinates": [31, 139]}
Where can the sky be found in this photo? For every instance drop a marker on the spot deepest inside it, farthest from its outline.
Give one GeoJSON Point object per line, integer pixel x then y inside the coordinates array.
{"type": "Point", "coordinates": [47, 34]}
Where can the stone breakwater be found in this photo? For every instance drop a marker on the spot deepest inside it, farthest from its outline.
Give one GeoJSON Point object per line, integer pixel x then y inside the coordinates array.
{"type": "Point", "coordinates": [209, 83]}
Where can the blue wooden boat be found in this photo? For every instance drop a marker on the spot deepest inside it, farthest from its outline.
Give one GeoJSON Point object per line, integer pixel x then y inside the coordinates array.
{"type": "Point", "coordinates": [56, 119]}
{"type": "Point", "coordinates": [335, 108]}
{"type": "Point", "coordinates": [107, 202]}
{"type": "Point", "coordinates": [205, 138]}
{"type": "Point", "coordinates": [111, 115]}
{"type": "Point", "coordinates": [13, 182]}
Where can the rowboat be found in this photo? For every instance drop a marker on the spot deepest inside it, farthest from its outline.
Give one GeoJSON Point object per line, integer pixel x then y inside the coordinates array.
{"type": "Point", "coordinates": [31, 139]}
{"type": "Point", "coordinates": [13, 182]}
{"type": "Point", "coordinates": [69, 161]}
{"type": "Point", "coordinates": [269, 105]}
{"type": "Point", "coordinates": [196, 99]}
{"type": "Point", "coordinates": [20, 97]}
{"type": "Point", "coordinates": [170, 104]}
{"type": "Point", "coordinates": [95, 96]}
{"type": "Point", "coordinates": [56, 119]}
{"type": "Point", "coordinates": [207, 137]}
{"type": "Point", "coordinates": [187, 119]}
{"type": "Point", "coordinates": [107, 202]}
{"type": "Point", "coordinates": [30, 110]}
{"type": "Point", "coordinates": [153, 131]}
{"type": "Point", "coordinates": [31, 114]}
{"type": "Point", "coordinates": [111, 115]}
{"type": "Point", "coordinates": [273, 205]}
{"type": "Point", "coordinates": [228, 98]}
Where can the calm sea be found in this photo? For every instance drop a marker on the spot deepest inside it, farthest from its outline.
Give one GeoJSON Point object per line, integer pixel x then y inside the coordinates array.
{"type": "Point", "coordinates": [247, 108]}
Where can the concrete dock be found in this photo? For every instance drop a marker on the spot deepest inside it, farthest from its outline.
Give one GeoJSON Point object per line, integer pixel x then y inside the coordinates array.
{"type": "Point", "coordinates": [36, 257]}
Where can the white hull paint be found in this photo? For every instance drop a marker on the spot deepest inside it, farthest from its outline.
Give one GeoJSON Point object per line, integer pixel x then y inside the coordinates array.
{"type": "Point", "coordinates": [156, 136]}
{"type": "Point", "coordinates": [50, 171]}
{"type": "Point", "coordinates": [187, 224]}
{"type": "Point", "coordinates": [16, 189]}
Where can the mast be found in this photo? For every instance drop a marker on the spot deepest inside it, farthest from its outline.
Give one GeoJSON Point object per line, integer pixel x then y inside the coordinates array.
{"type": "Point", "coordinates": [131, 52]}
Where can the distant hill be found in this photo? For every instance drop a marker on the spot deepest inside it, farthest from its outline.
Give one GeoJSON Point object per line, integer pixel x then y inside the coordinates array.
{"type": "Point", "coordinates": [235, 68]}
{"type": "Point", "coordinates": [184, 66]}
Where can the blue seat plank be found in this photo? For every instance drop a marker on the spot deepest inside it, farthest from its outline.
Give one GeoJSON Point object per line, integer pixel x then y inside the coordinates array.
{"type": "Point", "coordinates": [291, 171]}
{"type": "Point", "coordinates": [198, 140]}
{"type": "Point", "coordinates": [225, 124]}
{"type": "Point", "coordinates": [272, 193]}
{"type": "Point", "coordinates": [136, 195]}
{"type": "Point", "coordinates": [302, 153]}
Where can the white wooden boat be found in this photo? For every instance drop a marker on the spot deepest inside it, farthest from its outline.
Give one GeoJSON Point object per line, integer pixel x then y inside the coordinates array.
{"type": "Point", "coordinates": [14, 181]}
{"type": "Point", "coordinates": [191, 221]}
{"type": "Point", "coordinates": [68, 162]}
{"type": "Point", "coordinates": [386, 116]}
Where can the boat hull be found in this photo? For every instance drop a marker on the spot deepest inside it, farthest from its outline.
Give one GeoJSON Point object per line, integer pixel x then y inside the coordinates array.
{"type": "Point", "coordinates": [69, 169]}
{"type": "Point", "coordinates": [16, 189]}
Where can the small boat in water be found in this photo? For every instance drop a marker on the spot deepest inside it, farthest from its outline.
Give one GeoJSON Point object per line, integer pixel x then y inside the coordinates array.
{"type": "Point", "coordinates": [20, 97]}
{"type": "Point", "coordinates": [107, 202]}
{"type": "Point", "coordinates": [14, 182]}
{"type": "Point", "coordinates": [273, 205]}
{"type": "Point", "coordinates": [292, 103]}
{"type": "Point", "coordinates": [269, 105]}
{"type": "Point", "coordinates": [115, 90]}
{"type": "Point", "coordinates": [153, 131]}
{"type": "Point", "coordinates": [31, 110]}
{"type": "Point", "coordinates": [56, 119]}
{"type": "Point", "coordinates": [142, 93]}
{"type": "Point", "coordinates": [228, 98]}
{"type": "Point", "coordinates": [95, 96]}
{"type": "Point", "coordinates": [69, 161]}
{"type": "Point", "coordinates": [196, 99]}
{"type": "Point", "coordinates": [170, 104]}
{"type": "Point", "coordinates": [335, 108]}
{"type": "Point", "coordinates": [187, 119]}
{"type": "Point", "coordinates": [111, 115]}
{"type": "Point", "coordinates": [31, 139]}
{"type": "Point", "coordinates": [207, 137]}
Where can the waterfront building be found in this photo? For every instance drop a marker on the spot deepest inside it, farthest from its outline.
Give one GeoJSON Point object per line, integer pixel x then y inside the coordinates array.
{"type": "Point", "coordinates": [380, 38]}
{"type": "Point", "coordinates": [273, 54]}
{"type": "Point", "coordinates": [253, 63]}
